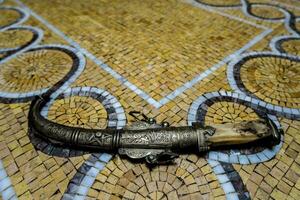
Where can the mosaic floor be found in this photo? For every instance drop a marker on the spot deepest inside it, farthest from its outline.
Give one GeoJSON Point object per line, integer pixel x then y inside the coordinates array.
{"type": "Point", "coordinates": [180, 61]}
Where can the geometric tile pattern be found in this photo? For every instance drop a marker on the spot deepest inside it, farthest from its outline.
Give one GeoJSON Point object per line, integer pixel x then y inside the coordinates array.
{"type": "Point", "coordinates": [191, 177]}
{"type": "Point", "coordinates": [12, 39]}
{"type": "Point", "coordinates": [11, 16]}
{"type": "Point", "coordinates": [277, 84]}
{"type": "Point", "coordinates": [79, 112]}
{"type": "Point", "coordinates": [31, 36]}
{"type": "Point", "coordinates": [31, 71]}
{"type": "Point", "coordinates": [290, 45]}
{"type": "Point", "coordinates": [179, 61]}
{"type": "Point", "coordinates": [160, 85]}
{"type": "Point", "coordinates": [266, 11]}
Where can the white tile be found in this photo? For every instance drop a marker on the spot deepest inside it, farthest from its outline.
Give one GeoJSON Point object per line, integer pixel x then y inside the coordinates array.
{"type": "Point", "coordinates": [228, 188]}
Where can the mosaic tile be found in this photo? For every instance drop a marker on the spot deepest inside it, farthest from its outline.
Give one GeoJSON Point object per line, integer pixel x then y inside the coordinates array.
{"type": "Point", "coordinates": [290, 46]}
{"type": "Point", "coordinates": [10, 16]}
{"type": "Point", "coordinates": [136, 69]}
{"type": "Point", "coordinates": [165, 58]}
{"type": "Point", "coordinates": [266, 11]}
{"type": "Point", "coordinates": [138, 181]}
{"type": "Point", "coordinates": [285, 73]}
{"type": "Point", "coordinates": [11, 39]}
{"type": "Point", "coordinates": [22, 75]}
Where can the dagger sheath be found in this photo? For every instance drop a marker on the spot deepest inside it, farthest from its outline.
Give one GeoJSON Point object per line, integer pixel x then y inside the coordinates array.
{"type": "Point", "coordinates": [112, 139]}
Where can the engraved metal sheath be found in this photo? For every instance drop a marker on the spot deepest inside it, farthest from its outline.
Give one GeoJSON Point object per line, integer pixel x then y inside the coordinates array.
{"type": "Point", "coordinates": [112, 139]}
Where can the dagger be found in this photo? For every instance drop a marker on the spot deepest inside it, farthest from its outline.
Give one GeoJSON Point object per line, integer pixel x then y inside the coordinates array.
{"type": "Point", "coordinates": [155, 143]}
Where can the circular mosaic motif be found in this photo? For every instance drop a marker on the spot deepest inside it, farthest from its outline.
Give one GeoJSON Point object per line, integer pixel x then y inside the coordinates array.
{"type": "Point", "coordinates": [191, 177]}
{"type": "Point", "coordinates": [291, 46]}
{"type": "Point", "coordinates": [218, 3]}
{"type": "Point", "coordinates": [265, 11]}
{"type": "Point", "coordinates": [12, 39]}
{"type": "Point", "coordinates": [229, 112]}
{"type": "Point", "coordinates": [8, 17]}
{"type": "Point", "coordinates": [273, 79]}
{"type": "Point", "coordinates": [78, 111]}
{"type": "Point", "coordinates": [34, 70]}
